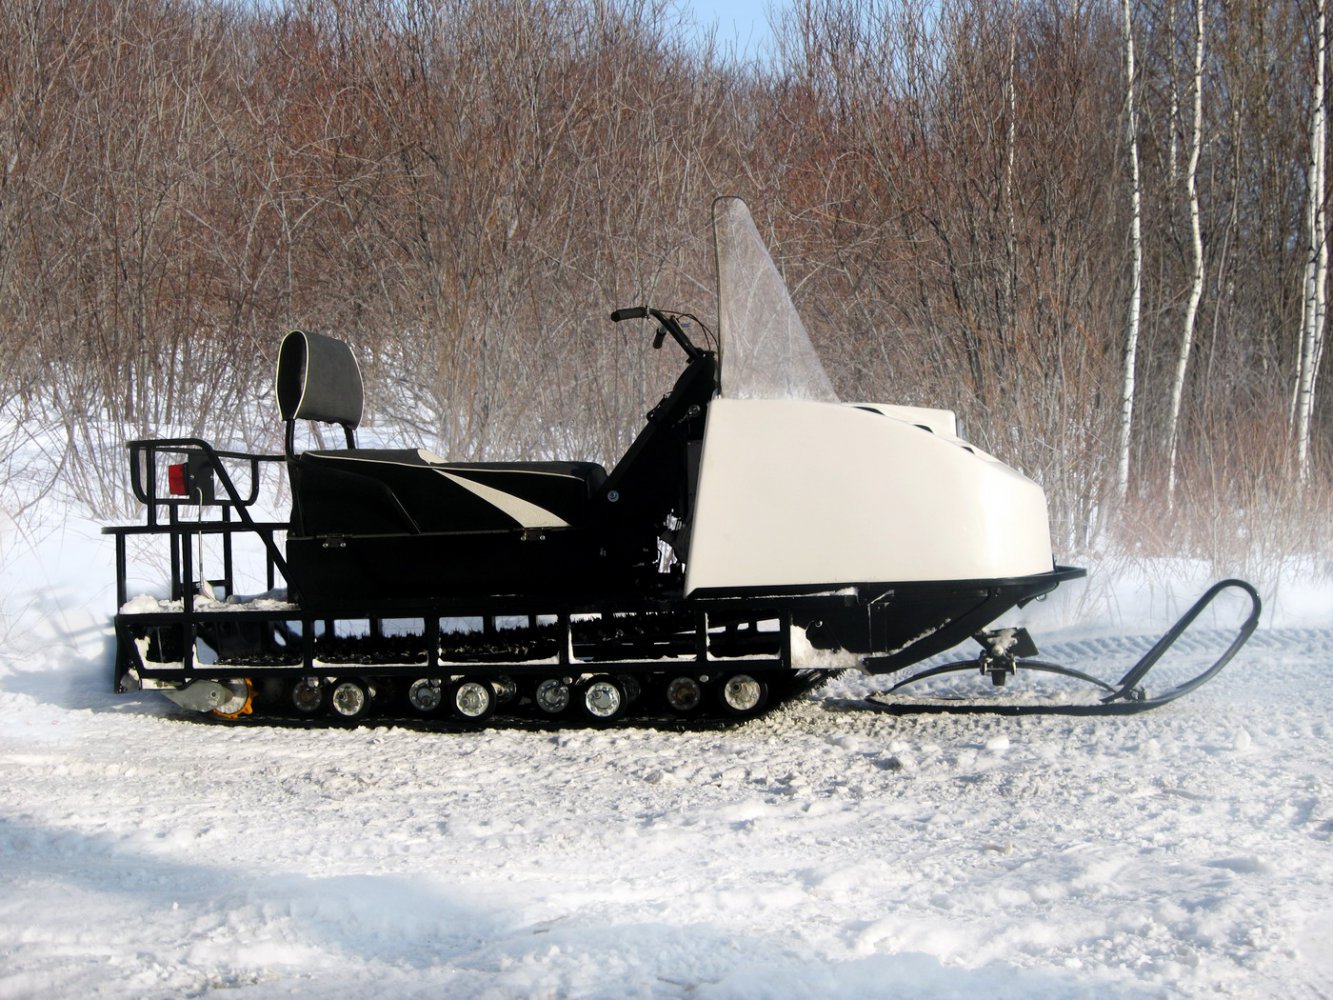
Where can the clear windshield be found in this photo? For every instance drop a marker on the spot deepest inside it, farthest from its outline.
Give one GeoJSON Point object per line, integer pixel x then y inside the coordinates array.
{"type": "Point", "coordinates": [766, 352]}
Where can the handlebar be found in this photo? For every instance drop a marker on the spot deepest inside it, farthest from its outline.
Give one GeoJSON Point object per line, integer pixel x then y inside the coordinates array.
{"type": "Point", "coordinates": [670, 324]}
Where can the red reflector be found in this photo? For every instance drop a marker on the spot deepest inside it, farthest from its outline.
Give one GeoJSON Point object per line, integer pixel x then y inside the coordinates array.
{"type": "Point", "coordinates": [176, 480]}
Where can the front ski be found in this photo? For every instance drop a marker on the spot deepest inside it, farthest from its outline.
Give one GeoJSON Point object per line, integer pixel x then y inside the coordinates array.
{"type": "Point", "coordinates": [1009, 650]}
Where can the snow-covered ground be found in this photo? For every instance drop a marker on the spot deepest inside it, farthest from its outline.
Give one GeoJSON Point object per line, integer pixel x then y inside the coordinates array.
{"type": "Point", "coordinates": [827, 850]}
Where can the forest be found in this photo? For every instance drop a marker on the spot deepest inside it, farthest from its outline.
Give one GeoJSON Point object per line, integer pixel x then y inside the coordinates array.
{"type": "Point", "coordinates": [1094, 229]}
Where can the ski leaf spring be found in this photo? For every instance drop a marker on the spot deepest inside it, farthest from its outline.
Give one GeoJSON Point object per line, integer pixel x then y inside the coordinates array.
{"type": "Point", "coordinates": [1007, 650]}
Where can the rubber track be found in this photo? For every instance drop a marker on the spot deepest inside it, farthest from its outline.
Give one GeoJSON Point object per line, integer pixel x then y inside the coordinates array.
{"type": "Point", "coordinates": [622, 637]}
{"type": "Point", "coordinates": [783, 689]}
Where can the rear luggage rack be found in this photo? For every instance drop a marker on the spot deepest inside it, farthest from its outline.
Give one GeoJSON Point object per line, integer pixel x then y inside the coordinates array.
{"type": "Point", "coordinates": [203, 469]}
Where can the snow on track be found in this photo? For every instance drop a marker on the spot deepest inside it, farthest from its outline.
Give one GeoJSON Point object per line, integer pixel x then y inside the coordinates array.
{"type": "Point", "coordinates": [826, 850]}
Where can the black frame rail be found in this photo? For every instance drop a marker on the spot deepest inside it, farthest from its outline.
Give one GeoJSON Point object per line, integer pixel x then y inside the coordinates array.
{"type": "Point", "coordinates": [705, 646]}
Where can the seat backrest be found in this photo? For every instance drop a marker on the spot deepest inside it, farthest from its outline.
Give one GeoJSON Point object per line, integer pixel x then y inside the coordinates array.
{"type": "Point", "coordinates": [318, 379]}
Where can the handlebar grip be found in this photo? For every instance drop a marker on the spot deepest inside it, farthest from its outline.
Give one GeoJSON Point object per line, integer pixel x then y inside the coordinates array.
{"type": "Point", "coordinates": [632, 312]}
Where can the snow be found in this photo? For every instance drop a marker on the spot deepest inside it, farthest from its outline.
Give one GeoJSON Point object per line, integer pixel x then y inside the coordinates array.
{"type": "Point", "coordinates": [829, 850]}
{"type": "Point", "coordinates": [202, 604]}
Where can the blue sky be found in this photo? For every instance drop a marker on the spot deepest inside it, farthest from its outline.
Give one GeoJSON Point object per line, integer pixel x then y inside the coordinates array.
{"type": "Point", "coordinates": [740, 23]}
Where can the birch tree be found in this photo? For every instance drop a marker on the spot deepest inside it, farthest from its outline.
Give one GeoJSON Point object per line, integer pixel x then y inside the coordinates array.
{"type": "Point", "coordinates": [1136, 248]}
{"type": "Point", "coordinates": [1196, 242]}
{"type": "Point", "coordinates": [1173, 117]}
{"type": "Point", "coordinates": [1011, 233]}
{"type": "Point", "coordinates": [1316, 264]}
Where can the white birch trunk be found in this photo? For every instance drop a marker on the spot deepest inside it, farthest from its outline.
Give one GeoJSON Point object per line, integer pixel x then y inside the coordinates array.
{"type": "Point", "coordinates": [1136, 279]}
{"type": "Point", "coordinates": [1173, 117]}
{"type": "Point", "coordinates": [1011, 236]}
{"type": "Point", "coordinates": [1196, 240]}
{"type": "Point", "coordinates": [1316, 267]}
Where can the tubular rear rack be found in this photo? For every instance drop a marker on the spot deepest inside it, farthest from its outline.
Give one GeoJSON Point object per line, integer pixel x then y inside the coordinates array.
{"type": "Point", "coordinates": [202, 469]}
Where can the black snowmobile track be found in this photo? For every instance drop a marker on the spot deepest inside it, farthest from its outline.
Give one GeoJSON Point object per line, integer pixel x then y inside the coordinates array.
{"type": "Point", "coordinates": [782, 691]}
{"type": "Point", "coordinates": [641, 653]}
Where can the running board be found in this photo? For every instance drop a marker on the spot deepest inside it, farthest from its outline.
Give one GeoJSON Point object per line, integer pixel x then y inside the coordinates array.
{"type": "Point", "coordinates": [1004, 654]}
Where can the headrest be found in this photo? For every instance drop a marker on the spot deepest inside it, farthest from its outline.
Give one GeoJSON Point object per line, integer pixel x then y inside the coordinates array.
{"type": "Point", "coordinates": [318, 379]}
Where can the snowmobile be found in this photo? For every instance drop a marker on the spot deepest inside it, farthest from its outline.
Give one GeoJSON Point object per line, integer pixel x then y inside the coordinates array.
{"type": "Point", "coordinates": [758, 535]}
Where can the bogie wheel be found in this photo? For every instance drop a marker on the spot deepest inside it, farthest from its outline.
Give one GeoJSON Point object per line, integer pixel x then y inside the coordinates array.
{"type": "Point", "coordinates": [684, 694]}
{"type": "Point", "coordinates": [505, 690]}
{"type": "Point", "coordinates": [473, 700]}
{"type": "Point", "coordinates": [241, 701]}
{"type": "Point", "coordinates": [633, 689]}
{"type": "Point", "coordinates": [349, 699]}
{"type": "Point", "coordinates": [425, 695]}
{"type": "Point", "coordinates": [603, 698]}
{"type": "Point", "coordinates": [743, 695]}
{"type": "Point", "coordinates": [552, 696]}
{"type": "Point", "coordinates": [308, 695]}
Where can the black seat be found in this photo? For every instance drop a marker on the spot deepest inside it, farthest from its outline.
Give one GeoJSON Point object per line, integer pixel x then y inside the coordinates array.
{"type": "Point", "coordinates": [377, 491]}
{"type": "Point", "coordinates": [373, 491]}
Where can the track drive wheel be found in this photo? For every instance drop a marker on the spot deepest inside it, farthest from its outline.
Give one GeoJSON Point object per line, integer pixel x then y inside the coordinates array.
{"type": "Point", "coordinates": [603, 698]}
{"type": "Point", "coordinates": [743, 695]}
{"type": "Point", "coordinates": [349, 699]}
{"type": "Point", "coordinates": [472, 699]}
{"type": "Point", "coordinates": [241, 701]}
{"type": "Point", "coordinates": [308, 695]}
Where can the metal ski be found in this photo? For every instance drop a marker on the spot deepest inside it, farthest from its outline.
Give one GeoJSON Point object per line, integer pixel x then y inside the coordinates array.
{"type": "Point", "coordinates": [1006, 651]}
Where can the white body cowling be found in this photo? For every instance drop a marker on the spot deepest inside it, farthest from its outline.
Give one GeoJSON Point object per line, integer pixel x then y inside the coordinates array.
{"type": "Point", "coordinates": [794, 493]}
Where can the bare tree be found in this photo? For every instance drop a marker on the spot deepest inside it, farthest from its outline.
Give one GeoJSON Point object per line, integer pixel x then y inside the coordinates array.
{"type": "Point", "coordinates": [1136, 266]}
{"type": "Point", "coordinates": [1196, 243]}
{"type": "Point", "coordinates": [1316, 265]}
{"type": "Point", "coordinates": [1010, 144]}
{"type": "Point", "coordinates": [463, 189]}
